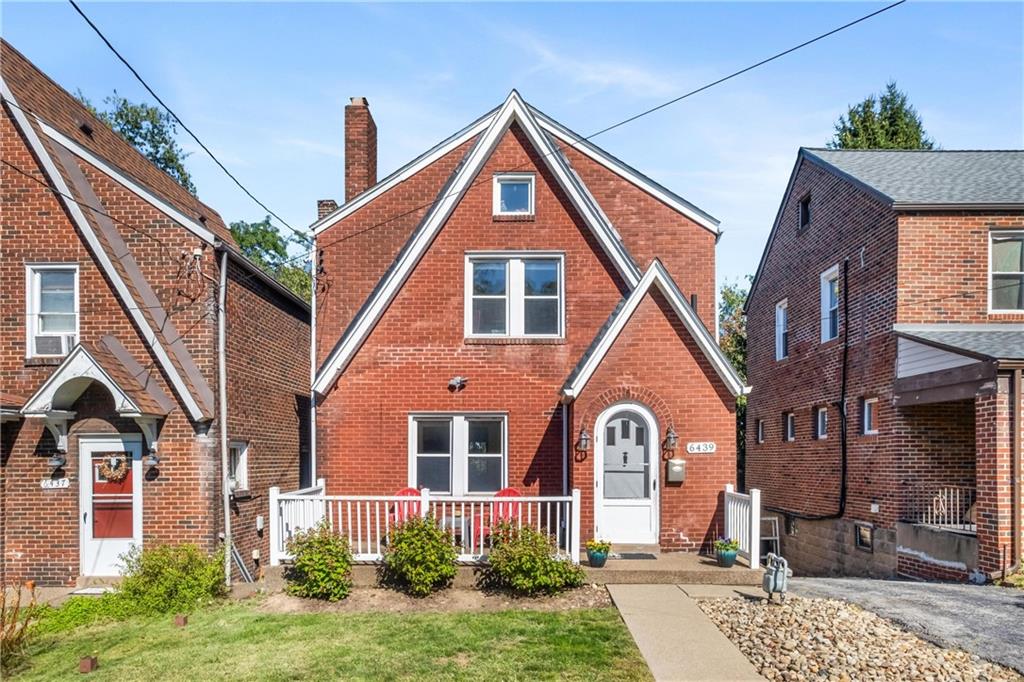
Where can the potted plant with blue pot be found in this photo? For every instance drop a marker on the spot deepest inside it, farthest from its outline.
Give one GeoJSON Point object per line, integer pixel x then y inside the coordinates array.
{"type": "Point", "coordinates": [597, 552]}
{"type": "Point", "coordinates": [726, 550]}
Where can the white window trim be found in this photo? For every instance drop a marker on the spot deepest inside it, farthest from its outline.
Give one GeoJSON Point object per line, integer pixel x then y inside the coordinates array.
{"type": "Point", "coordinates": [501, 178]}
{"type": "Point", "coordinates": [781, 312]}
{"type": "Point", "coordinates": [240, 482]}
{"type": "Point", "coordinates": [32, 305]}
{"type": "Point", "coordinates": [514, 293]}
{"type": "Point", "coordinates": [873, 403]}
{"type": "Point", "coordinates": [825, 310]}
{"type": "Point", "coordinates": [992, 236]}
{"type": "Point", "coordinates": [459, 449]}
{"type": "Point", "coordinates": [821, 423]}
{"type": "Point", "coordinates": [760, 430]}
{"type": "Point", "coordinates": [790, 427]}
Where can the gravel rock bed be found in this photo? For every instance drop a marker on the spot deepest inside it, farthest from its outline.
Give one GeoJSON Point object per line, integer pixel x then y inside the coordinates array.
{"type": "Point", "coordinates": [827, 639]}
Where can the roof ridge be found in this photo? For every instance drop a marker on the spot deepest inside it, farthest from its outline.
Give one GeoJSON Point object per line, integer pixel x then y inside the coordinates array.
{"type": "Point", "coordinates": [912, 151]}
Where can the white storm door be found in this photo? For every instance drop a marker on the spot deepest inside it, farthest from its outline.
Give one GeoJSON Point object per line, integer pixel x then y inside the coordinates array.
{"type": "Point", "coordinates": [110, 511]}
{"type": "Point", "coordinates": [626, 480]}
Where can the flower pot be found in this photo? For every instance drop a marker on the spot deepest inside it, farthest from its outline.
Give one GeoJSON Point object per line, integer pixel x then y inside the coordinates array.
{"type": "Point", "coordinates": [596, 559]}
{"type": "Point", "coordinates": [726, 558]}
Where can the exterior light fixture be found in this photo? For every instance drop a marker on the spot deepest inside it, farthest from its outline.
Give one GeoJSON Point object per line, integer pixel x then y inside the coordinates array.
{"type": "Point", "coordinates": [583, 444]}
{"type": "Point", "coordinates": [152, 460]}
{"type": "Point", "coordinates": [671, 440]}
{"type": "Point", "coordinates": [56, 461]}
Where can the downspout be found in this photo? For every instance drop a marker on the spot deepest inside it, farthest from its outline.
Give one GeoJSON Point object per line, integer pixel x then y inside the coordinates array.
{"type": "Point", "coordinates": [222, 380]}
{"type": "Point", "coordinates": [565, 449]}
{"type": "Point", "coordinates": [1017, 433]}
{"type": "Point", "coordinates": [315, 266]}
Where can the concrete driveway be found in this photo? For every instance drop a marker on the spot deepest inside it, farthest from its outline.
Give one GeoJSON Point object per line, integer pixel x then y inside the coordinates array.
{"type": "Point", "coordinates": [984, 620]}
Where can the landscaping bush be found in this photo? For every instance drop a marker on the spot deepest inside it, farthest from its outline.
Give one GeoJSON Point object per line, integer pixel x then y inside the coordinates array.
{"type": "Point", "coordinates": [322, 567]}
{"type": "Point", "coordinates": [79, 611]}
{"type": "Point", "coordinates": [17, 624]}
{"type": "Point", "coordinates": [171, 578]}
{"type": "Point", "coordinates": [523, 560]}
{"type": "Point", "coordinates": [419, 558]}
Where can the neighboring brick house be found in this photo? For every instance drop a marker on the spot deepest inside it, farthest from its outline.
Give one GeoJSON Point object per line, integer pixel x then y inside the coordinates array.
{"type": "Point", "coordinates": [508, 311]}
{"type": "Point", "coordinates": [900, 273]}
{"type": "Point", "coordinates": [112, 275]}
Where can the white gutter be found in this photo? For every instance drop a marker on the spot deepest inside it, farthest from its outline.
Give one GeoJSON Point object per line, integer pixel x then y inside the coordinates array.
{"type": "Point", "coordinates": [313, 262]}
{"type": "Point", "coordinates": [222, 398]}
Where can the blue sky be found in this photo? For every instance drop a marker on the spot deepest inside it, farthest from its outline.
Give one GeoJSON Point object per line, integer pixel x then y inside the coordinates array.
{"type": "Point", "coordinates": [264, 85]}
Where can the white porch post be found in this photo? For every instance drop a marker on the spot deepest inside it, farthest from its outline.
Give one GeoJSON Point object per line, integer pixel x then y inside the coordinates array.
{"type": "Point", "coordinates": [755, 529]}
{"type": "Point", "coordinates": [574, 533]}
{"type": "Point", "coordinates": [424, 502]}
{"type": "Point", "coordinates": [274, 517]}
{"type": "Point", "coordinates": [727, 516]}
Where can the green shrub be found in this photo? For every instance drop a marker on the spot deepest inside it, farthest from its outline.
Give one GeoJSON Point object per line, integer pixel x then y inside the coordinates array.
{"type": "Point", "coordinates": [323, 565]}
{"type": "Point", "coordinates": [419, 558]}
{"type": "Point", "coordinates": [172, 578]}
{"type": "Point", "coordinates": [523, 560]}
{"type": "Point", "coordinates": [79, 611]}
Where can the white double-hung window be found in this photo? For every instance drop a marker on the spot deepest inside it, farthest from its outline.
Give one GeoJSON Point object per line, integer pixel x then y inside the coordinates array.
{"type": "Point", "coordinates": [51, 310]}
{"type": "Point", "coordinates": [1006, 272]}
{"type": "Point", "coordinates": [782, 330]}
{"type": "Point", "coordinates": [463, 454]}
{"type": "Point", "coordinates": [238, 465]}
{"type": "Point", "coordinates": [519, 295]}
{"type": "Point", "coordinates": [830, 304]}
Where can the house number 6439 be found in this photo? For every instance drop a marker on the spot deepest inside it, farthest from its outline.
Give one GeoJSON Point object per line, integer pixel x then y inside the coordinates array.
{"type": "Point", "coordinates": [703, 447]}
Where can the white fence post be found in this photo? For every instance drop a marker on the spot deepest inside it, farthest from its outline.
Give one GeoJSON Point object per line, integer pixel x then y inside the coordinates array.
{"type": "Point", "coordinates": [755, 528]}
{"type": "Point", "coordinates": [274, 519]}
{"type": "Point", "coordinates": [574, 532]}
{"type": "Point", "coordinates": [424, 502]}
{"type": "Point", "coordinates": [728, 530]}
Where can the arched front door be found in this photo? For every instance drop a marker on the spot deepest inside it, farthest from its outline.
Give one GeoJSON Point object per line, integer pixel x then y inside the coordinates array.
{"type": "Point", "coordinates": [626, 475]}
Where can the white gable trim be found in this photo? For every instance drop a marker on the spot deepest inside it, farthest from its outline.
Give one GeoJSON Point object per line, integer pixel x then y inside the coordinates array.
{"type": "Point", "coordinates": [159, 204]}
{"type": "Point", "coordinates": [656, 274]}
{"type": "Point", "coordinates": [626, 172]}
{"type": "Point", "coordinates": [75, 210]}
{"type": "Point", "coordinates": [79, 364]}
{"type": "Point", "coordinates": [514, 109]}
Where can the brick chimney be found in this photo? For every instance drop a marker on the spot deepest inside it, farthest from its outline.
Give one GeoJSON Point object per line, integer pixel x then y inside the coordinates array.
{"type": "Point", "coordinates": [360, 148]}
{"type": "Point", "coordinates": [325, 207]}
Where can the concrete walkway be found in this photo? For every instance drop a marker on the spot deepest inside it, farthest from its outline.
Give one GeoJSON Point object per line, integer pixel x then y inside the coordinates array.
{"type": "Point", "coordinates": [675, 637]}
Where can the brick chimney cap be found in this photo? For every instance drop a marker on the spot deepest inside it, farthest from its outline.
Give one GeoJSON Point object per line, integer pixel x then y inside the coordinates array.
{"type": "Point", "coordinates": [358, 101]}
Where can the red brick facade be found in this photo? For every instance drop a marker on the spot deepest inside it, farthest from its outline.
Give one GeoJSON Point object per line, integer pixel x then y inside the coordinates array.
{"type": "Point", "coordinates": [404, 366]}
{"type": "Point", "coordinates": [920, 267]}
{"type": "Point", "coordinates": [267, 333]}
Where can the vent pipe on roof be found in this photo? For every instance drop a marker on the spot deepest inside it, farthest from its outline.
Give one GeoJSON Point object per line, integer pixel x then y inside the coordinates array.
{"type": "Point", "coordinates": [360, 148]}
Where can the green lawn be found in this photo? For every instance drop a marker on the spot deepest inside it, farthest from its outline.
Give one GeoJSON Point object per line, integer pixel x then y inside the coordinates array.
{"type": "Point", "coordinates": [239, 642]}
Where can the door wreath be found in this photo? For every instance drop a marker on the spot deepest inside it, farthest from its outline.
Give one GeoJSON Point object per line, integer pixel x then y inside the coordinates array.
{"type": "Point", "coordinates": [114, 469]}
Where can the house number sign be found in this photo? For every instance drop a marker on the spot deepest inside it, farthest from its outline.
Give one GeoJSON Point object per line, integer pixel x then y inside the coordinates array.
{"type": "Point", "coordinates": [701, 448]}
{"type": "Point", "coordinates": [54, 483]}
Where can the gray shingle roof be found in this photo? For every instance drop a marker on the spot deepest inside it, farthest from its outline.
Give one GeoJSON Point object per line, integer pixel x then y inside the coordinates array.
{"type": "Point", "coordinates": [933, 177]}
{"type": "Point", "coordinates": [998, 342]}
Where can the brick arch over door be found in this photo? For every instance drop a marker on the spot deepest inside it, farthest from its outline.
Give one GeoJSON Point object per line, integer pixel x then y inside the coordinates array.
{"type": "Point", "coordinates": [637, 394]}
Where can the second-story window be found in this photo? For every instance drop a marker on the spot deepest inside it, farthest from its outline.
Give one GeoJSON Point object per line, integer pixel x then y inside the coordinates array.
{"type": "Point", "coordinates": [51, 309]}
{"type": "Point", "coordinates": [782, 330]}
{"type": "Point", "coordinates": [788, 426]}
{"type": "Point", "coordinates": [830, 304]}
{"type": "Point", "coordinates": [805, 212]}
{"type": "Point", "coordinates": [821, 422]}
{"type": "Point", "coordinates": [1006, 279]}
{"type": "Point", "coordinates": [760, 430]}
{"type": "Point", "coordinates": [513, 194]}
{"type": "Point", "coordinates": [514, 296]}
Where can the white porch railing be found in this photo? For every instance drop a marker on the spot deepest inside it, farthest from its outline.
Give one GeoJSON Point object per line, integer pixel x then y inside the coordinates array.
{"type": "Point", "coordinates": [743, 523]}
{"type": "Point", "coordinates": [367, 519]}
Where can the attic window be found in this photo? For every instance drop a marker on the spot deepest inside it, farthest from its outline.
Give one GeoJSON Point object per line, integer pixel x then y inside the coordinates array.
{"type": "Point", "coordinates": [805, 211]}
{"type": "Point", "coordinates": [513, 194]}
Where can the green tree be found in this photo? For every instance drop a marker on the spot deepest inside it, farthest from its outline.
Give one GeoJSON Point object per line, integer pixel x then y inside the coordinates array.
{"type": "Point", "coordinates": [886, 122]}
{"type": "Point", "coordinates": [264, 245]}
{"type": "Point", "coordinates": [732, 338]}
{"type": "Point", "coordinates": [149, 129]}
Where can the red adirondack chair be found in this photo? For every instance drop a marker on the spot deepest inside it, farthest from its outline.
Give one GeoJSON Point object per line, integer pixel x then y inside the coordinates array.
{"type": "Point", "coordinates": [501, 511]}
{"type": "Point", "coordinates": [405, 509]}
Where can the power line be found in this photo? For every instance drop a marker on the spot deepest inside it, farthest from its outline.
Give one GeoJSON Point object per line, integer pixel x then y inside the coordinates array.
{"type": "Point", "coordinates": [184, 127]}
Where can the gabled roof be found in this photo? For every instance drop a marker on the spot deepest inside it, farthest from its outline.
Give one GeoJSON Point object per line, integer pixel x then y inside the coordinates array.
{"type": "Point", "coordinates": [110, 364]}
{"type": "Point", "coordinates": [514, 110]}
{"type": "Point", "coordinates": [561, 135]}
{"type": "Point", "coordinates": [932, 179]}
{"type": "Point", "coordinates": [982, 341]}
{"type": "Point", "coordinates": [656, 275]}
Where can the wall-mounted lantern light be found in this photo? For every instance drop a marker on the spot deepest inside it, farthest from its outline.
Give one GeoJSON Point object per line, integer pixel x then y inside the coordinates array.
{"type": "Point", "coordinates": [671, 440]}
{"type": "Point", "coordinates": [583, 444]}
{"type": "Point", "coordinates": [152, 460]}
{"type": "Point", "coordinates": [56, 461]}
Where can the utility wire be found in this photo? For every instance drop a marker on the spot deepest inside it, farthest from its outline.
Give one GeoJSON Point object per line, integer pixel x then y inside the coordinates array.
{"type": "Point", "coordinates": [184, 127]}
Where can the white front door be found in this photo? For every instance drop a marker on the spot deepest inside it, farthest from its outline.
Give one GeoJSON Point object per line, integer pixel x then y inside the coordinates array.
{"type": "Point", "coordinates": [626, 476]}
{"type": "Point", "coordinates": [111, 507]}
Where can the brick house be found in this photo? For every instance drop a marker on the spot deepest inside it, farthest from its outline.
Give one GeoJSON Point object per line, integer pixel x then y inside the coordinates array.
{"type": "Point", "coordinates": [113, 415]}
{"type": "Point", "coordinates": [515, 308]}
{"type": "Point", "coordinates": [892, 284]}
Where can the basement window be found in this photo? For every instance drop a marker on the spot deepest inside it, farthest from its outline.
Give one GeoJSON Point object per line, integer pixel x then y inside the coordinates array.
{"type": "Point", "coordinates": [864, 536]}
{"type": "Point", "coordinates": [513, 194]}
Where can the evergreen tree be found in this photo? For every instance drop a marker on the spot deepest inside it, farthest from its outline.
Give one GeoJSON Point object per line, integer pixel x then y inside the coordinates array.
{"type": "Point", "coordinates": [888, 122]}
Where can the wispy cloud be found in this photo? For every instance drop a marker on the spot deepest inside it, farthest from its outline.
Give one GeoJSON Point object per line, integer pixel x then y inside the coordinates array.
{"type": "Point", "coordinates": [312, 146]}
